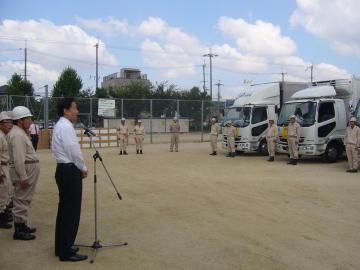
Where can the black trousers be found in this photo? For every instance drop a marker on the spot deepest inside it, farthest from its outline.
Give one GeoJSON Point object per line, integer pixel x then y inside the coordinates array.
{"type": "Point", "coordinates": [34, 141]}
{"type": "Point", "coordinates": [69, 182]}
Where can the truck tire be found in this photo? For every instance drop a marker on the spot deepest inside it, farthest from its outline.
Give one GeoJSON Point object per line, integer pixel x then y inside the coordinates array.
{"type": "Point", "coordinates": [263, 150]}
{"type": "Point", "coordinates": [332, 153]}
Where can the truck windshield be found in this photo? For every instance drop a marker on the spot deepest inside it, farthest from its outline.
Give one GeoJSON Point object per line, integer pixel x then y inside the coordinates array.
{"type": "Point", "coordinates": [240, 116]}
{"type": "Point", "coordinates": [304, 111]}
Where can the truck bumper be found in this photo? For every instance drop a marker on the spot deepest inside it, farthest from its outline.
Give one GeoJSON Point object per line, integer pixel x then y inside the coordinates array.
{"type": "Point", "coordinates": [304, 149]}
{"type": "Point", "coordinates": [246, 147]}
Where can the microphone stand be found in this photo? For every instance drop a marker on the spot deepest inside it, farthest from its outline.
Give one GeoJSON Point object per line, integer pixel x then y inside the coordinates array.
{"type": "Point", "coordinates": [97, 244]}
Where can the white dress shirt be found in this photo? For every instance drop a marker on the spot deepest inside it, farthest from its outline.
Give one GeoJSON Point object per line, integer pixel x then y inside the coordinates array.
{"type": "Point", "coordinates": [65, 145]}
{"type": "Point", "coordinates": [34, 129]}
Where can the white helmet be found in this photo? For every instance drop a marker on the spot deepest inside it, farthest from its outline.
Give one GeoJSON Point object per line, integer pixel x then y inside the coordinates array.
{"type": "Point", "coordinates": [20, 112]}
{"type": "Point", "coordinates": [352, 119]}
{"type": "Point", "coordinates": [292, 116]}
{"type": "Point", "coordinates": [123, 119]}
{"type": "Point", "coordinates": [5, 116]}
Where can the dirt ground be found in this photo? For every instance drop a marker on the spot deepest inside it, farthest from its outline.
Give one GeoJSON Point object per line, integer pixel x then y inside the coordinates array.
{"type": "Point", "coordinates": [189, 210]}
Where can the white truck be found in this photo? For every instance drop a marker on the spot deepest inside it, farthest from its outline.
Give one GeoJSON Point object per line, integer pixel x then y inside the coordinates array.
{"type": "Point", "coordinates": [322, 111]}
{"type": "Point", "coordinates": [251, 111]}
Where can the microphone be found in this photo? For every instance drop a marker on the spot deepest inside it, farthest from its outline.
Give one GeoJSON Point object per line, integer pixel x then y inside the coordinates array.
{"type": "Point", "coordinates": [88, 131]}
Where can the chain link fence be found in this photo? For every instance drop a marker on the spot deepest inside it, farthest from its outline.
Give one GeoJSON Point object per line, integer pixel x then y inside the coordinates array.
{"type": "Point", "coordinates": [157, 114]}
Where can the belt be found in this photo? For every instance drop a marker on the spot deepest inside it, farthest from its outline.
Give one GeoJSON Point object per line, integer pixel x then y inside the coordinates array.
{"type": "Point", "coordinates": [31, 161]}
{"type": "Point", "coordinates": [66, 164]}
{"type": "Point", "coordinates": [4, 163]}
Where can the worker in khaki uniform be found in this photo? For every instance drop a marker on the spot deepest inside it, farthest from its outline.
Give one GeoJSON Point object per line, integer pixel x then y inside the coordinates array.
{"type": "Point", "coordinates": [5, 181]}
{"type": "Point", "coordinates": [293, 140]}
{"type": "Point", "coordinates": [24, 171]}
{"type": "Point", "coordinates": [352, 143]}
{"type": "Point", "coordinates": [123, 136]}
{"type": "Point", "coordinates": [174, 130]}
{"type": "Point", "coordinates": [214, 133]}
{"type": "Point", "coordinates": [139, 137]}
{"type": "Point", "coordinates": [271, 137]}
{"type": "Point", "coordinates": [231, 133]}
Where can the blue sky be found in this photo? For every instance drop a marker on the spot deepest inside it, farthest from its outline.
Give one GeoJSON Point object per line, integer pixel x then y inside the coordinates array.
{"type": "Point", "coordinates": [255, 40]}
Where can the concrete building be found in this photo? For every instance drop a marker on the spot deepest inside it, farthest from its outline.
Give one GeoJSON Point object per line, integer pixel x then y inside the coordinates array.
{"type": "Point", "coordinates": [124, 77]}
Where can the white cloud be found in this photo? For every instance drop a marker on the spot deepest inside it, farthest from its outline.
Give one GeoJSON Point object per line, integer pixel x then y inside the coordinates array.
{"type": "Point", "coordinates": [38, 74]}
{"type": "Point", "coordinates": [336, 21]}
{"type": "Point", "coordinates": [53, 47]}
{"type": "Point", "coordinates": [110, 26]}
{"type": "Point", "coordinates": [152, 26]}
{"type": "Point", "coordinates": [299, 70]}
{"type": "Point", "coordinates": [260, 39]}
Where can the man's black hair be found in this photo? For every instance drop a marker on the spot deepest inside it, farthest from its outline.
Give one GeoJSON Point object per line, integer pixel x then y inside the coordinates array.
{"type": "Point", "coordinates": [64, 103]}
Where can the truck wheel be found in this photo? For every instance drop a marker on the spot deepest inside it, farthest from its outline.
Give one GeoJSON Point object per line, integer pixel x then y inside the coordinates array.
{"type": "Point", "coordinates": [332, 153]}
{"type": "Point", "coordinates": [263, 149]}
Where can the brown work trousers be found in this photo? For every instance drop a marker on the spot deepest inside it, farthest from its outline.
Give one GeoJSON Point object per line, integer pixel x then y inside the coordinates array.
{"type": "Point", "coordinates": [271, 145]}
{"type": "Point", "coordinates": [213, 142]}
{"type": "Point", "coordinates": [174, 141]}
{"type": "Point", "coordinates": [353, 156]}
{"type": "Point", "coordinates": [23, 197]}
{"type": "Point", "coordinates": [123, 141]}
{"type": "Point", "coordinates": [293, 147]}
{"type": "Point", "coordinates": [139, 141]}
{"type": "Point", "coordinates": [5, 189]}
{"type": "Point", "coordinates": [231, 144]}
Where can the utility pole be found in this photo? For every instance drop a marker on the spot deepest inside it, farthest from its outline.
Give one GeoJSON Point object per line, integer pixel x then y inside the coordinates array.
{"type": "Point", "coordinates": [218, 99]}
{"type": "Point", "coordinates": [210, 55]}
{"type": "Point", "coordinates": [97, 66]}
{"type": "Point", "coordinates": [204, 82]}
{"type": "Point", "coordinates": [25, 67]}
{"type": "Point", "coordinates": [46, 108]}
{"type": "Point", "coordinates": [311, 70]}
{"type": "Point", "coordinates": [283, 76]}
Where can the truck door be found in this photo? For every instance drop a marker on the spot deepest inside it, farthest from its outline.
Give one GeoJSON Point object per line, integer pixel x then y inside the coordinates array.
{"type": "Point", "coordinates": [259, 121]}
{"type": "Point", "coordinates": [326, 118]}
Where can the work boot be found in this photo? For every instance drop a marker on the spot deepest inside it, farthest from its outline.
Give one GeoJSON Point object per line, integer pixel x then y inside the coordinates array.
{"type": "Point", "coordinates": [8, 215]}
{"type": "Point", "coordinates": [294, 162]}
{"type": "Point", "coordinates": [29, 229]}
{"type": "Point", "coordinates": [232, 154]}
{"type": "Point", "coordinates": [349, 171]}
{"type": "Point", "coordinates": [271, 159]}
{"type": "Point", "coordinates": [137, 151]}
{"type": "Point", "coordinates": [171, 150]}
{"type": "Point", "coordinates": [213, 153]}
{"type": "Point", "coordinates": [290, 161]}
{"type": "Point", "coordinates": [141, 151]}
{"type": "Point", "coordinates": [120, 153]}
{"type": "Point", "coordinates": [4, 224]}
{"type": "Point", "coordinates": [20, 234]}
{"type": "Point", "coordinates": [229, 154]}
{"type": "Point", "coordinates": [125, 153]}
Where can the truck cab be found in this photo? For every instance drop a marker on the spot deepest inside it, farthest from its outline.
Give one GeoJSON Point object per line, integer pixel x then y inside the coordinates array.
{"type": "Point", "coordinates": [322, 112]}
{"type": "Point", "coordinates": [252, 110]}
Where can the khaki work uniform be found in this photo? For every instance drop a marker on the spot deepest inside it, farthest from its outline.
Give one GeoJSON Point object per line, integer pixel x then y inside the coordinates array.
{"type": "Point", "coordinates": [271, 137]}
{"type": "Point", "coordinates": [139, 137]}
{"type": "Point", "coordinates": [174, 130]}
{"type": "Point", "coordinates": [24, 165]}
{"type": "Point", "coordinates": [293, 140]}
{"type": "Point", "coordinates": [214, 133]}
{"type": "Point", "coordinates": [352, 142]}
{"type": "Point", "coordinates": [123, 135]}
{"type": "Point", "coordinates": [231, 139]}
{"type": "Point", "coordinates": [6, 185]}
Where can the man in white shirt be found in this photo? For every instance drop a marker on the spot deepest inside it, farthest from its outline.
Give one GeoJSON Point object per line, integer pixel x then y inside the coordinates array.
{"type": "Point", "coordinates": [34, 134]}
{"type": "Point", "coordinates": [69, 173]}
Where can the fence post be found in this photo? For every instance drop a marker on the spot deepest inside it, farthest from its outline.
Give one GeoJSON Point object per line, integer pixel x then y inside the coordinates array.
{"type": "Point", "coordinates": [8, 103]}
{"type": "Point", "coordinates": [91, 113]}
{"type": "Point", "coordinates": [202, 120]}
{"type": "Point", "coordinates": [151, 116]}
{"type": "Point", "coordinates": [46, 108]}
{"type": "Point", "coordinates": [177, 109]}
{"type": "Point", "coordinates": [122, 108]}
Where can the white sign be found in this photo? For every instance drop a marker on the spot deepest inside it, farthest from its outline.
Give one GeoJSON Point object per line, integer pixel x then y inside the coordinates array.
{"type": "Point", "coordinates": [106, 107]}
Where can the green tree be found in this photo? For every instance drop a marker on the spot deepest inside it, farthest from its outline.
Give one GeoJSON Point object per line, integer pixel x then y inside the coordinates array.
{"type": "Point", "coordinates": [101, 93]}
{"type": "Point", "coordinates": [69, 84]}
{"type": "Point", "coordinates": [18, 86]}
